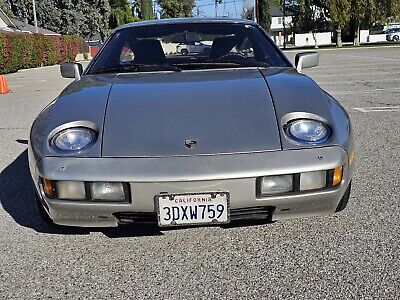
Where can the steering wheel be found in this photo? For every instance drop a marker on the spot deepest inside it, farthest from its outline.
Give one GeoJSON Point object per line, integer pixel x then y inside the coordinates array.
{"type": "Point", "coordinates": [233, 56]}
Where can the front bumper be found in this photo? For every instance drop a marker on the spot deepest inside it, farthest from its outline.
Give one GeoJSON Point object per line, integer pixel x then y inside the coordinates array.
{"type": "Point", "coordinates": [234, 173]}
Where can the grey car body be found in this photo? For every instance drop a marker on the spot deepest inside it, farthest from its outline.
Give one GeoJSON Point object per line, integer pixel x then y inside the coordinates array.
{"type": "Point", "coordinates": [236, 116]}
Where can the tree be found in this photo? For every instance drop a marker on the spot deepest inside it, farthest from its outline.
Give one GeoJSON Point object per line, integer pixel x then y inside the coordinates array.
{"type": "Point", "coordinates": [264, 11]}
{"type": "Point", "coordinates": [144, 9]}
{"type": "Point", "coordinates": [96, 18]}
{"type": "Point", "coordinates": [80, 17]}
{"type": "Point", "coordinates": [176, 8]}
{"type": "Point", "coordinates": [48, 15]}
{"type": "Point", "coordinates": [20, 9]}
{"type": "Point", "coordinates": [387, 10]}
{"type": "Point", "coordinates": [339, 12]}
{"type": "Point", "coordinates": [362, 11]}
{"type": "Point", "coordinates": [264, 15]}
{"type": "Point", "coordinates": [121, 13]}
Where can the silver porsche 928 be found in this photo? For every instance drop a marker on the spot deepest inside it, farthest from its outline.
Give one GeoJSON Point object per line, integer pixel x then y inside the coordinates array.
{"type": "Point", "coordinates": [146, 134]}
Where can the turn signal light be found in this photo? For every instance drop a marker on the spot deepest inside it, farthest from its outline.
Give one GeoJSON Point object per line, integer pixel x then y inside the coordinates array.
{"type": "Point", "coordinates": [337, 176]}
{"type": "Point", "coordinates": [48, 188]}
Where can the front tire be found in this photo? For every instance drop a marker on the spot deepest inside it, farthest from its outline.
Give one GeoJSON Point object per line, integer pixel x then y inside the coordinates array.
{"type": "Point", "coordinates": [396, 38]}
{"type": "Point", "coordinates": [184, 52]}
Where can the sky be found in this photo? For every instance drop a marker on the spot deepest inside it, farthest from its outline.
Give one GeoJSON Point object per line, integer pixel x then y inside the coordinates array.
{"type": "Point", "coordinates": [228, 8]}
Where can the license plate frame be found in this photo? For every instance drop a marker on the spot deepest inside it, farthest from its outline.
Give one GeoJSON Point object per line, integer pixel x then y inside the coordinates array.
{"type": "Point", "coordinates": [172, 196]}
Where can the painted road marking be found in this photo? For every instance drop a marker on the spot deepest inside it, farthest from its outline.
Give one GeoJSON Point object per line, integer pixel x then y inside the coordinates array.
{"type": "Point", "coordinates": [375, 58]}
{"type": "Point", "coordinates": [358, 74]}
{"type": "Point", "coordinates": [359, 81]}
{"type": "Point", "coordinates": [378, 109]}
{"type": "Point", "coordinates": [367, 91]}
{"type": "Point", "coordinates": [357, 67]}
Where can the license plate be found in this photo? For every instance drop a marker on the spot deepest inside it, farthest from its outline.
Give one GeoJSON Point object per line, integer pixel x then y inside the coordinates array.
{"type": "Point", "coordinates": [193, 209]}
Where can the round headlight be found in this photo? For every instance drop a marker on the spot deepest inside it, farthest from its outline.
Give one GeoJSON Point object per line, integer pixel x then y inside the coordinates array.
{"type": "Point", "coordinates": [309, 131]}
{"type": "Point", "coordinates": [74, 139]}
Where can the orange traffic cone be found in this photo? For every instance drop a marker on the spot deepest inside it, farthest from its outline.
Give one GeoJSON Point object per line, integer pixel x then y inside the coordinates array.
{"type": "Point", "coordinates": [3, 85]}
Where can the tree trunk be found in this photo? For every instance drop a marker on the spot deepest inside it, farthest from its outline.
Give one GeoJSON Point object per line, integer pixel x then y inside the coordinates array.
{"type": "Point", "coordinates": [357, 36]}
{"type": "Point", "coordinates": [314, 35]}
{"type": "Point", "coordinates": [339, 37]}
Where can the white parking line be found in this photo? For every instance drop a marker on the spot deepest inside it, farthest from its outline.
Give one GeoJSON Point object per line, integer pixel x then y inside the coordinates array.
{"type": "Point", "coordinates": [356, 68]}
{"type": "Point", "coordinates": [357, 74]}
{"type": "Point", "coordinates": [348, 65]}
{"type": "Point", "coordinates": [378, 109]}
{"type": "Point", "coordinates": [367, 91]}
{"type": "Point", "coordinates": [375, 58]}
{"type": "Point", "coordinates": [359, 81]}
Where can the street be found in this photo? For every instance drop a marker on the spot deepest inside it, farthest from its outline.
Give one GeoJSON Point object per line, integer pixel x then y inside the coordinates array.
{"type": "Point", "coordinates": [349, 255]}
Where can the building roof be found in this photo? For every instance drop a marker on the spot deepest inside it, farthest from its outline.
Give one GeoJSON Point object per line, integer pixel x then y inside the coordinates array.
{"type": "Point", "coordinates": [15, 25]}
{"type": "Point", "coordinates": [6, 19]}
{"type": "Point", "coordinates": [276, 11]}
{"type": "Point", "coordinates": [30, 28]}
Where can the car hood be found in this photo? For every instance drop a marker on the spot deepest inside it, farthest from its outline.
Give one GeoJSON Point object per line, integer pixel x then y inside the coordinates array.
{"type": "Point", "coordinates": [295, 93]}
{"type": "Point", "coordinates": [82, 100]}
{"type": "Point", "coordinates": [221, 111]}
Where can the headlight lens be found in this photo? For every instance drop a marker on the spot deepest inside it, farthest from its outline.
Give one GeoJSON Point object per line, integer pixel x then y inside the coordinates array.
{"type": "Point", "coordinates": [74, 139]}
{"type": "Point", "coordinates": [107, 191]}
{"type": "Point", "coordinates": [312, 180]}
{"type": "Point", "coordinates": [309, 131]}
{"type": "Point", "coordinates": [279, 184]}
{"type": "Point", "coordinates": [71, 190]}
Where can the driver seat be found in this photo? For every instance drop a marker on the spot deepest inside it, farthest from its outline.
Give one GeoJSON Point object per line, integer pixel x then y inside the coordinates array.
{"type": "Point", "coordinates": [149, 51]}
{"type": "Point", "coordinates": [222, 46]}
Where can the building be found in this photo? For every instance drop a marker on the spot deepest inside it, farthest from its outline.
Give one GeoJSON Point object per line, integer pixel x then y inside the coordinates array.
{"type": "Point", "coordinates": [277, 27]}
{"type": "Point", "coordinates": [8, 24]}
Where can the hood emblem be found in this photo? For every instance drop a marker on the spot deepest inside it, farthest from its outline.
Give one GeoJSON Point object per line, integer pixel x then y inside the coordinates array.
{"type": "Point", "coordinates": [190, 144]}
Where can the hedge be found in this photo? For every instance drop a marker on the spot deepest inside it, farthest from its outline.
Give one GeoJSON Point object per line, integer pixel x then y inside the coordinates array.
{"type": "Point", "coordinates": [23, 51]}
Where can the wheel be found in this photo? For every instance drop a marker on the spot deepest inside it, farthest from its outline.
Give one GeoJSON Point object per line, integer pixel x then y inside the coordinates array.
{"type": "Point", "coordinates": [184, 52]}
{"type": "Point", "coordinates": [345, 199]}
{"type": "Point", "coordinates": [396, 38]}
{"type": "Point", "coordinates": [42, 211]}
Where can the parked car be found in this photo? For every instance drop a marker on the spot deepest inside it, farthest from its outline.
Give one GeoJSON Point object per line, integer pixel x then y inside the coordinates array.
{"type": "Point", "coordinates": [178, 140]}
{"type": "Point", "coordinates": [193, 47]}
{"type": "Point", "coordinates": [393, 35]}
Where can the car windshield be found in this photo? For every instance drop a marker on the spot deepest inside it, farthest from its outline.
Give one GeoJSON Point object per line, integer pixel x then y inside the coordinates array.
{"type": "Point", "coordinates": [190, 46]}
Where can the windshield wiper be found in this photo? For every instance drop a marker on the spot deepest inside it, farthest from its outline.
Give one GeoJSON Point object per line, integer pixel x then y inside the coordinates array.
{"type": "Point", "coordinates": [138, 68]}
{"type": "Point", "coordinates": [223, 64]}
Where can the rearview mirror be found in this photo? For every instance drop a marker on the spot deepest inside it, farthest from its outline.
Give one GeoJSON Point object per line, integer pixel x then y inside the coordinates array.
{"type": "Point", "coordinates": [71, 70]}
{"type": "Point", "coordinates": [306, 60]}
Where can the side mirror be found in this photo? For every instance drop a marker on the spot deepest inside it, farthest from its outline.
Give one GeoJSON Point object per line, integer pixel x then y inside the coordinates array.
{"type": "Point", "coordinates": [71, 70]}
{"type": "Point", "coordinates": [306, 60]}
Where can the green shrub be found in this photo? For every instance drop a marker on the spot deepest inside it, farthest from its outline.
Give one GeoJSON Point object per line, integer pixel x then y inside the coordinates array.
{"type": "Point", "coordinates": [22, 51]}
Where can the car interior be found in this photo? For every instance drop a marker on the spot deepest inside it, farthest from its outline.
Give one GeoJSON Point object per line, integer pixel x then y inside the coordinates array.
{"type": "Point", "coordinates": [224, 46]}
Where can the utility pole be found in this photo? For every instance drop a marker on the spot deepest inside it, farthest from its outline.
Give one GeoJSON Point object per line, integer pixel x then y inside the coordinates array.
{"type": "Point", "coordinates": [256, 12]}
{"type": "Point", "coordinates": [284, 25]}
{"type": "Point", "coordinates": [216, 7]}
{"type": "Point", "coordinates": [34, 16]}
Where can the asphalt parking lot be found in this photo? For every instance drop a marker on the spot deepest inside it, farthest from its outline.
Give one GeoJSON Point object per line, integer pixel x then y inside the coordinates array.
{"type": "Point", "coordinates": [350, 255]}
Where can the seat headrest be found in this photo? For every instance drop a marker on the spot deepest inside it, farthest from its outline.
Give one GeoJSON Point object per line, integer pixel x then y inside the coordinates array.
{"type": "Point", "coordinates": [222, 46]}
{"type": "Point", "coordinates": [149, 51]}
